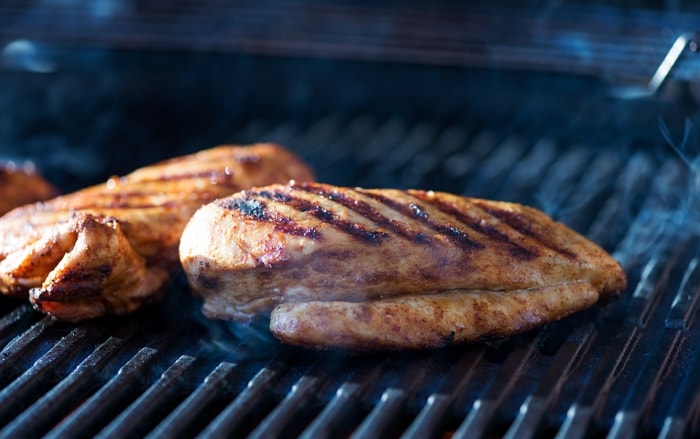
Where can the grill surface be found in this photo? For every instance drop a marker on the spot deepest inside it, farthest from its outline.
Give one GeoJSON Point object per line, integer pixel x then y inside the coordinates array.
{"type": "Point", "coordinates": [624, 368]}
{"type": "Point", "coordinates": [619, 172]}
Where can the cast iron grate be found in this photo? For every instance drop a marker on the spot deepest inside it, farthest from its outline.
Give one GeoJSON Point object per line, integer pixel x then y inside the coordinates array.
{"type": "Point", "coordinates": [622, 369]}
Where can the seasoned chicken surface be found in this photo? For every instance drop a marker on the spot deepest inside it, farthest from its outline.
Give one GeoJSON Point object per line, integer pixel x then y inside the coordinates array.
{"type": "Point", "coordinates": [110, 248]}
{"type": "Point", "coordinates": [388, 269]}
{"type": "Point", "coordinates": [20, 185]}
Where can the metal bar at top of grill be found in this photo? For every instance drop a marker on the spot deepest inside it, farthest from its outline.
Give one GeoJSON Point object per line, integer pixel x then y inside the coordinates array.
{"type": "Point", "coordinates": [602, 42]}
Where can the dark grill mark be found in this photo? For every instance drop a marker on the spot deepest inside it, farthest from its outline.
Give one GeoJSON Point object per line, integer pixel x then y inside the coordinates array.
{"type": "Point", "coordinates": [277, 196]}
{"type": "Point", "coordinates": [481, 227]}
{"type": "Point", "coordinates": [357, 231]}
{"type": "Point", "coordinates": [412, 210]}
{"type": "Point", "coordinates": [246, 159]}
{"type": "Point", "coordinates": [366, 210]}
{"type": "Point", "coordinates": [524, 227]}
{"type": "Point", "coordinates": [257, 210]}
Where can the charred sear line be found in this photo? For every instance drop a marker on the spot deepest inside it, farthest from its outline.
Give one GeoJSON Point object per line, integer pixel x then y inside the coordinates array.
{"type": "Point", "coordinates": [523, 226]}
{"type": "Point", "coordinates": [412, 210]}
{"type": "Point", "coordinates": [255, 209]}
{"type": "Point", "coordinates": [357, 231]}
{"type": "Point", "coordinates": [367, 211]}
{"type": "Point", "coordinates": [482, 227]}
{"type": "Point", "coordinates": [247, 159]}
{"type": "Point", "coordinates": [276, 196]}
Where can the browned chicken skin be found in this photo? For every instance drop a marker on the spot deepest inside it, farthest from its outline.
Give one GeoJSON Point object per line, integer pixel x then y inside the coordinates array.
{"type": "Point", "coordinates": [388, 269]}
{"type": "Point", "coordinates": [109, 248]}
{"type": "Point", "coordinates": [20, 185]}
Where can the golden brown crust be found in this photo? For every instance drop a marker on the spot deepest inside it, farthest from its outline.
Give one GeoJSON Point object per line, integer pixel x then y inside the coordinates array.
{"type": "Point", "coordinates": [134, 221]}
{"type": "Point", "coordinates": [20, 185]}
{"type": "Point", "coordinates": [429, 320]}
{"type": "Point", "coordinates": [388, 269]}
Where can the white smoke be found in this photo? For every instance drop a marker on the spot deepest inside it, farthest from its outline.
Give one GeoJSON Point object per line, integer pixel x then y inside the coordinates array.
{"type": "Point", "coordinates": [670, 214]}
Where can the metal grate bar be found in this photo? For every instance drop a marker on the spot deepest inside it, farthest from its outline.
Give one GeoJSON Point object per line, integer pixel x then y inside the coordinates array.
{"type": "Point", "coordinates": [681, 420]}
{"type": "Point", "coordinates": [532, 414]}
{"type": "Point", "coordinates": [482, 416]}
{"type": "Point", "coordinates": [41, 376]}
{"type": "Point", "coordinates": [19, 347]}
{"type": "Point", "coordinates": [299, 397]}
{"type": "Point", "coordinates": [439, 404]}
{"type": "Point", "coordinates": [10, 321]}
{"type": "Point", "coordinates": [660, 352]}
{"type": "Point", "coordinates": [143, 413]}
{"type": "Point", "coordinates": [394, 399]}
{"type": "Point", "coordinates": [622, 205]}
{"type": "Point", "coordinates": [488, 176]}
{"type": "Point", "coordinates": [103, 404]}
{"type": "Point", "coordinates": [233, 417]}
{"type": "Point", "coordinates": [522, 182]}
{"type": "Point", "coordinates": [344, 405]}
{"type": "Point", "coordinates": [195, 407]}
{"type": "Point", "coordinates": [50, 408]}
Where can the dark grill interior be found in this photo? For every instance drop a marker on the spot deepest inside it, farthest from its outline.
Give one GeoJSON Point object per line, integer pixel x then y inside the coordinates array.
{"type": "Point", "coordinates": [622, 172]}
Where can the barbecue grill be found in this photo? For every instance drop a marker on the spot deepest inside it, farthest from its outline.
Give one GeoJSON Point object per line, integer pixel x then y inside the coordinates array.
{"type": "Point", "coordinates": [585, 110]}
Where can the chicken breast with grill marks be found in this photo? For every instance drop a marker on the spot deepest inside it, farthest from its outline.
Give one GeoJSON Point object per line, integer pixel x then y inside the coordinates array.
{"type": "Point", "coordinates": [110, 248]}
{"type": "Point", "coordinates": [388, 269]}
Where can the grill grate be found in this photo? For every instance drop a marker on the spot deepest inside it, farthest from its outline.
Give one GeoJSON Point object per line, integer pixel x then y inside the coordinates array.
{"type": "Point", "coordinates": [612, 370]}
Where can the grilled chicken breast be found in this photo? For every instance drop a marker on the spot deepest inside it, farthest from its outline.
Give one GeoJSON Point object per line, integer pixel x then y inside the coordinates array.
{"type": "Point", "coordinates": [388, 269]}
{"type": "Point", "coordinates": [110, 248]}
{"type": "Point", "coordinates": [20, 185]}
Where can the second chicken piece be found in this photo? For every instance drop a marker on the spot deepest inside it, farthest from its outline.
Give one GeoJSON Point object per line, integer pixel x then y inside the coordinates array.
{"type": "Point", "coordinates": [110, 248]}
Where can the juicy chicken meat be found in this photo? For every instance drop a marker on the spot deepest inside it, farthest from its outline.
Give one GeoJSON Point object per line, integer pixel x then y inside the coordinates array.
{"type": "Point", "coordinates": [388, 269]}
{"type": "Point", "coordinates": [110, 248]}
{"type": "Point", "coordinates": [20, 185]}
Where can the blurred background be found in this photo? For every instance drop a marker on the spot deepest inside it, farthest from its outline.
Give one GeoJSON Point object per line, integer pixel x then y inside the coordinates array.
{"type": "Point", "coordinates": [137, 81]}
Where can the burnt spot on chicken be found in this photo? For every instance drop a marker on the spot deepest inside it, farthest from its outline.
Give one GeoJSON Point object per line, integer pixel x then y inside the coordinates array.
{"type": "Point", "coordinates": [248, 205]}
{"type": "Point", "coordinates": [204, 278]}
